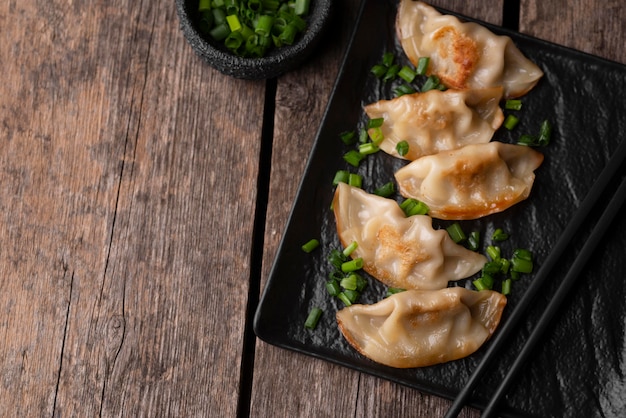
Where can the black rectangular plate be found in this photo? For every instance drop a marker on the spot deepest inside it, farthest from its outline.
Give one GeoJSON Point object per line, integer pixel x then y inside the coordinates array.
{"type": "Point", "coordinates": [580, 368]}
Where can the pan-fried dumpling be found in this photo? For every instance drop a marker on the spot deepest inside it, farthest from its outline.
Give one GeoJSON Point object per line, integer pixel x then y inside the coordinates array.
{"type": "Point", "coordinates": [463, 54]}
{"type": "Point", "coordinates": [436, 120]}
{"type": "Point", "coordinates": [471, 182]}
{"type": "Point", "coordinates": [400, 251]}
{"type": "Point", "coordinates": [420, 328]}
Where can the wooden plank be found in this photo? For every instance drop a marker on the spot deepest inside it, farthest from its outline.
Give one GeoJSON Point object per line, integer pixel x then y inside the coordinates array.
{"type": "Point", "coordinates": [124, 276]}
{"type": "Point", "coordinates": [593, 27]}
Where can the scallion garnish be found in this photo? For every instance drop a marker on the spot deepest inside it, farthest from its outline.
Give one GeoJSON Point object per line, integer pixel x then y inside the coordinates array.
{"type": "Point", "coordinates": [506, 287]}
{"type": "Point", "coordinates": [352, 265]}
{"type": "Point", "coordinates": [456, 232]}
{"type": "Point", "coordinates": [388, 59]}
{"type": "Point", "coordinates": [422, 65]}
{"type": "Point", "coordinates": [545, 133]}
{"type": "Point", "coordinates": [313, 318]}
{"type": "Point", "coordinates": [378, 70]}
{"type": "Point", "coordinates": [407, 74]}
{"type": "Point", "coordinates": [375, 123]}
{"type": "Point", "coordinates": [499, 235]}
{"type": "Point", "coordinates": [260, 24]}
{"type": "Point", "coordinates": [353, 157]}
{"type": "Point", "coordinates": [386, 189]}
{"type": "Point", "coordinates": [355, 180]}
{"type": "Point", "coordinates": [494, 252]}
{"type": "Point", "coordinates": [344, 298]}
{"type": "Point", "coordinates": [350, 249]}
{"type": "Point", "coordinates": [333, 288]}
{"type": "Point", "coordinates": [391, 73]}
{"type": "Point", "coordinates": [310, 245]}
{"type": "Point", "coordinates": [368, 148]}
{"type": "Point", "coordinates": [510, 122]}
{"type": "Point", "coordinates": [432, 83]}
{"type": "Point", "coordinates": [341, 176]}
{"type": "Point", "coordinates": [513, 104]}
{"type": "Point", "coordinates": [403, 148]}
{"type": "Point", "coordinates": [376, 135]}
{"type": "Point", "coordinates": [403, 89]}
{"type": "Point", "coordinates": [522, 261]}
{"type": "Point", "coordinates": [349, 282]}
{"type": "Point", "coordinates": [473, 241]}
{"type": "Point", "coordinates": [412, 207]}
{"type": "Point", "coordinates": [348, 137]}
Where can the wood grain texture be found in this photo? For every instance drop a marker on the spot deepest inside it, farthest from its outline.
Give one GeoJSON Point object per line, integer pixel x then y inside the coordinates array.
{"type": "Point", "coordinates": [595, 28]}
{"type": "Point", "coordinates": [127, 185]}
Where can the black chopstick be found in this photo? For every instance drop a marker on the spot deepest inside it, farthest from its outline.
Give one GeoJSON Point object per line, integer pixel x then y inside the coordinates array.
{"type": "Point", "coordinates": [544, 321]}
{"type": "Point", "coordinates": [538, 282]}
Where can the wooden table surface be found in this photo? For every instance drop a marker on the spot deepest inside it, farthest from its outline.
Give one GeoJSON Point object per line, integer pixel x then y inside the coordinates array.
{"type": "Point", "coordinates": [143, 196]}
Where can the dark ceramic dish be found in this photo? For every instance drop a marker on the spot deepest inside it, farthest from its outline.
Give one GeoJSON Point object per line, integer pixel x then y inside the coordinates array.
{"type": "Point", "coordinates": [578, 369]}
{"type": "Point", "coordinates": [275, 63]}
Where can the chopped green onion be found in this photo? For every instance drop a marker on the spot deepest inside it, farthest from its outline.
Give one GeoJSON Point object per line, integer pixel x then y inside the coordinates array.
{"type": "Point", "coordinates": [368, 148]}
{"type": "Point", "coordinates": [402, 147]}
{"type": "Point", "coordinates": [456, 233]}
{"type": "Point", "coordinates": [376, 135]}
{"type": "Point", "coordinates": [481, 283]}
{"type": "Point", "coordinates": [363, 136]}
{"type": "Point", "coordinates": [521, 266]}
{"type": "Point", "coordinates": [391, 73]}
{"type": "Point", "coordinates": [349, 282]}
{"type": "Point", "coordinates": [513, 104]}
{"type": "Point", "coordinates": [492, 267]}
{"type": "Point", "coordinates": [493, 252]}
{"type": "Point", "coordinates": [473, 241]}
{"type": "Point", "coordinates": [301, 7]}
{"type": "Point", "coordinates": [352, 265]}
{"type": "Point", "coordinates": [344, 298]}
{"type": "Point", "coordinates": [313, 318]}
{"type": "Point", "coordinates": [506, 287]}
{"type": "Point", "coordinates": [348, 137]}
{"type": "Point", "coordinates": [233, 23]}
{"type": "Point", "coordinates": [355, 180]}
{"type": "Point", "coordinates": [527, 140]}
{"type": "Point", "coordinates": [388, 59]}
{"type": "Point", "coordinates": [378, 70]}
{"type": "Point", "coordinates": [432, 83]}
{"type": "Point", "coordinates": [353, 157]}
{"type": "Point", "coordinates": [407, 74]}
{"type": "Point", "coordinates": [414, 207]}
{"type": "Point", "coordinates": [505, 265]}
{"type": "Point", "coordinates": [264, 25]}
{"type": "Point", "coordinates": [403, 89]}
{"type": "Point", "coordinates": [422, 65]}
{"type": "Point", "coordinates": [545, 133]}
{"type": "Point", "coordinates": [336, 258]}
{"type": "Point", "coordinates": [375, 123]}
{"type": "Point", "coordinates": [333, 288]}
{"type": "Point", "coordinates": [204, 5]}
{"type": "Point", "coordinates": [499, 235]}
{"type": "Point", "coordinates": [352, 295]}
{"type": "Point", "coordinates": [310, 245]}
{"type": "Point", "coordinates": [361, 283]}
{"type": "Point", "coordinates": [511, 122]}
{"type": "Point", "coordinates": [350, 248]}
{"type": "Point", "coordinates": [386, 189]}
{"type": "Point", "coordinates": [341, 176]}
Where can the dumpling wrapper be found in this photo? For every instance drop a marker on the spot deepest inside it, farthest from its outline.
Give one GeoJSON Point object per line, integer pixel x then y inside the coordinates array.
{"type": "Point", "coordinates": [436, 120]}
{"type": "Point", "coordinates": [471, 182]}
{"type": "Point", "coordinates": [463, 54]}
{"type": "Point", "coordinates": [420, 328]}
{"type": "Point", "coordinates": [400, 251]}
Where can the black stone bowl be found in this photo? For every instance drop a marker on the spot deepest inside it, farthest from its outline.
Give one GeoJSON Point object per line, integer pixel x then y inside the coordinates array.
{"type": "Point", "coordinates": [276, 62]}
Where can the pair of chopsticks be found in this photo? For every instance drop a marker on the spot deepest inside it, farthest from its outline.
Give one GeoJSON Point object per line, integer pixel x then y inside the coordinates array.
{"type": "Point", "coordinates": [579, 218]}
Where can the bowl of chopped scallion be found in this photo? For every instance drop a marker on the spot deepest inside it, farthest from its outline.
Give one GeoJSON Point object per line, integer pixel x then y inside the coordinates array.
{"type": "Point", "coordinates": [253, 39]}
